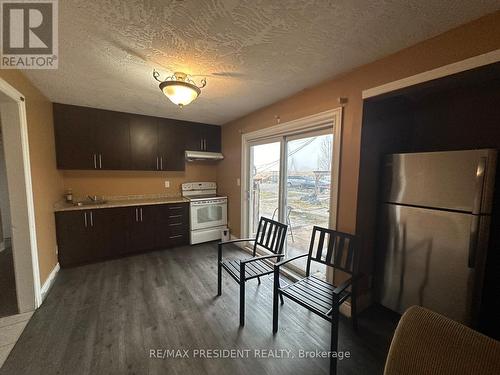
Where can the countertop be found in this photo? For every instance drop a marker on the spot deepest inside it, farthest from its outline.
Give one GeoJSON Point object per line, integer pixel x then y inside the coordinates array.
{"type": "Point", "coordinates": [120, 202]}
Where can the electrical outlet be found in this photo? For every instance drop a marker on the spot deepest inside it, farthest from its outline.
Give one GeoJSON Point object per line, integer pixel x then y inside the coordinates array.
{"type": "Point", "coordinates": [167, 184]}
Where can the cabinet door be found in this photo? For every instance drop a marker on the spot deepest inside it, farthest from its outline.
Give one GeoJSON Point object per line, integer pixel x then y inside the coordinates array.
{"type": "Point", "coordinates": [193, 135]}
{"type": "Point", "coordinates": [75, 238]}
{"type": "Point", "coordinates": [142, 228]}
{"type": "Point", "coordinates": [109, 226]}
{"type": "Point", "coordinates": [212, 138]}
{"type": "Point", "coordinates": [173, 225]}
{"type": "Point", "coordinates": [112, 139]}
{"type": "Point", "coordinates": [170, 146]}
{"type": "Point", "coordinates": [74, 134]}
{"type": "Point", "coordinates": [144, 143]}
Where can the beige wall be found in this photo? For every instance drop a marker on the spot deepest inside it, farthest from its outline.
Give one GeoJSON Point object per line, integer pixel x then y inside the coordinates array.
{"type": "Point", "coordinates": [108, 183]}
{"type": "Point", "coordinates": [47, 181]}
{"type": "Point", "coordinates": [469, 40]}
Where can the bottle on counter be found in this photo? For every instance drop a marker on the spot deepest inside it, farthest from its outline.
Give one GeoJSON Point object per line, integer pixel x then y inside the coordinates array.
{"type": "Point", "coordinates": [68, 195]}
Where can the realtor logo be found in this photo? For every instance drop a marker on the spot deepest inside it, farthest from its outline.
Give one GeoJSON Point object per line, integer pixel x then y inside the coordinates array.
{"type": "Point", "coordinates": [29, 34]}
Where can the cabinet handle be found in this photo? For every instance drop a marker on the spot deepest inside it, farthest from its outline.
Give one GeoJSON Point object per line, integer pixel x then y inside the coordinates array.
{"type": "Point", "coordinates": [157, 164]}
{"type": "Point", "coordinates": [85, 218]}
{"type": "Point", "coordinates": [175, 216]}
{"type": "Point", "coordinates": [201, 144]}
{"type": "Point", "coordinates": [100, 161]}
{"type": "Point", "coordinates": [205, 144]}
{"type": "Point", "coordinates": [95, 161]}
{"type": "Point", "coordinates": [136, 215]}
{"type": "Point", "coordinates": [141, 215]}
{"type": "Point", "coordinates": [161, 163]}
{"type": "Point", "coordinates": [91, 219]}
{"type": "Point", "coordinates": [179, 235]}
{"type": "Point", "coordinates": [175, 224]}
{"type": "Point", "coordinates": [175, 208]}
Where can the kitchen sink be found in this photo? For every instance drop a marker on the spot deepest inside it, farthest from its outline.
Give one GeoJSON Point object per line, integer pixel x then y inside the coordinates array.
{"type": "Point", "coordinates": [91, 203]}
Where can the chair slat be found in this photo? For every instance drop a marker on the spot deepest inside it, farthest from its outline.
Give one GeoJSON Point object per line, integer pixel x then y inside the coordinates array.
{"type": "Point", "coordinates": [331, 245]}
{"type": "Point", "coordinates": [339, 251]}
{"type": "Point", "coordinates": [321, 243]}
{"type": "Point", "coordinates": [263, 233]}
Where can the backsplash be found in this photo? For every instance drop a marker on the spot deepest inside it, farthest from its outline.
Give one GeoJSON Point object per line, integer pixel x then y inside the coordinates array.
{"type": "Point", "coordinates": [127, 183]}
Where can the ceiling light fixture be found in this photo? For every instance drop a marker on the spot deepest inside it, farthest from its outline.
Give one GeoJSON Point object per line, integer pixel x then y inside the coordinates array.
{"type": "Point", "coordinates": [179, 88]}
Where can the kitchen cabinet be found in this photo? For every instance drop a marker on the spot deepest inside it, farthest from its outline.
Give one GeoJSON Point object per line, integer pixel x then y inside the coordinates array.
{"type": "Point", "coordinates": [212, 138]}
{"type": "Point", "coordinates": [85, 236]}
{"type": "Point", "coordinates": [89, 138]}
{"type": "Point", "coordinates": [74, 137]}
{"type": "Point", "coordinates": [74, 238]}
{"type": "Point", "coordinates": [170, 146]}
{"type": "Point", "coordinates": [142, 228]}
{"type": "Point", "coordinates": [111, 140]}
{"type": "Point", "coordinates": [174, 218]}
{"type": "Point", "coordinates": [144, 143]}
{"type": "Point", "coordinates": [202, 137]}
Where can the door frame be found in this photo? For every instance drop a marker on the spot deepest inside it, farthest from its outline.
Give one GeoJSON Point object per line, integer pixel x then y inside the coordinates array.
{"type": "Point", "coordinates": [332, 117]}
{"type": "Point", "coordinates": [24, 241]}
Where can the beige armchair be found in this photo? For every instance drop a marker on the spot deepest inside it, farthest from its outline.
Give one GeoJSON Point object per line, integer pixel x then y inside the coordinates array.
{"type": "Point", "coordinates": [426, 343]}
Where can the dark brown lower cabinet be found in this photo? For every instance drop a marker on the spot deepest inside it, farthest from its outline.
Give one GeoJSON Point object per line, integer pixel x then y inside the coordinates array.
{"type": "Point", "coordinates": [142, 228]}
{"type": "Point", "coordinates": [85, 236]}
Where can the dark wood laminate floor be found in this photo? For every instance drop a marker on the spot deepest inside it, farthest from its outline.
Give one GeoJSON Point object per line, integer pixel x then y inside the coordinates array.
{"type": "Point", "coordinates": [8, 297]}
{"type": "Point", "coordinates": [105, 318]}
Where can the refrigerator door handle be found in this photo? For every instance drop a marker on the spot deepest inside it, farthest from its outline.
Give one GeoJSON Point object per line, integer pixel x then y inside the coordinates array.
{"type": "Point", "coordinates": [478, 194]}
{"type": "Point", "coordinates": [476, 210]}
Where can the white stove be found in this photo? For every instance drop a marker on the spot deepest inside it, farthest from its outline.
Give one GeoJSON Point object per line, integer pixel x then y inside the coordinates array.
{"type": "Point", "coordinates": [208, 211]}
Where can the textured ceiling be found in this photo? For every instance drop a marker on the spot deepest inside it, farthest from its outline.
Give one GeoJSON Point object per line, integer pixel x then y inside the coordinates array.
{"type": "Point", "coordinates": [252, 52]}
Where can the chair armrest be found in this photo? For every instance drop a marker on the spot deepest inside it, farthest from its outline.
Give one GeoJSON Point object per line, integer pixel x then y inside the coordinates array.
{"type": "Point", "coordinates": [238, 240]}
{"type": "Point", "coordinates": [279, 264]}
{"type": "Point", "coordinates": [254, 259]}
{"type": "Point", "coordinates": [346, 284]}
{"type": "Point", "coordinates": [219, 252]}
{"type": "Point", "coordinates": [343, 286]}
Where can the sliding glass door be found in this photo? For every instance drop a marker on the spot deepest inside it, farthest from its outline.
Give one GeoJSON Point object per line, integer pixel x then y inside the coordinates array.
{"type": "Point", "coordinates": [307, 191]}
{"type": "Point", "coordinates": [264, 182]}
{"type": "Point", "coordinates": [290, 179]}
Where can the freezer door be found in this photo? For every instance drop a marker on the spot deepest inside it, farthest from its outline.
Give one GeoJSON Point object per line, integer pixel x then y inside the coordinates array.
{"type": "Point", "coordinates": [454, 180]}
{"type": "Point", "coordinates": [424, 260]}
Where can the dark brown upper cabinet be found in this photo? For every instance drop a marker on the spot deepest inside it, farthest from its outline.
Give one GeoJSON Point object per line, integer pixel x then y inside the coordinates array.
{"type": "Point", "coordinates": [112, 140]}
{"type": "Point", "coordinates": [144, 143]}
{"type": "Point", "coordinates": [74, 137]}
{"type": "Point", "coordinates": [89, 138]}
{"type": "Point", "coordinates": [171, 146]}
{"type": "Point", "coordinates": [202, 137]}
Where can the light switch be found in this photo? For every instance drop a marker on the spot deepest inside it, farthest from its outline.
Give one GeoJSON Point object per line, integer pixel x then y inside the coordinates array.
{"type": "Point", "coordinates": [167, 184]}
{"type": "Point", "coordinates": [238, 182]}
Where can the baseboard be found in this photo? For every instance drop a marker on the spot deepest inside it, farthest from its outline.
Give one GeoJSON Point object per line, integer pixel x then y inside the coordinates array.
{"type": "Point", "coordinates": [49, 282]}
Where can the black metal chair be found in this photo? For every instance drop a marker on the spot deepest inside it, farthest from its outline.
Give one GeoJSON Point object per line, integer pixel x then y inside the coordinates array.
{"type": "Point", "coordinates": [271, 236]}
{"type": "Point", "coordinates": [316, 295]}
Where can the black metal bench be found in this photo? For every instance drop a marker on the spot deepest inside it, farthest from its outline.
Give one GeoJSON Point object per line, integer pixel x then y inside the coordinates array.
{"type": "Point", "coordinates": [271, 236]}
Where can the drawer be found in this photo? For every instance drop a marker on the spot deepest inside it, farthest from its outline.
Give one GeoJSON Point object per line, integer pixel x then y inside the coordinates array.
{"type": "Point", "coordinates": [178, 239]}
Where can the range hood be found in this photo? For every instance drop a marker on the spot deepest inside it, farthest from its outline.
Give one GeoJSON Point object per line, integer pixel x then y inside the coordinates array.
{"type": "Point", "coordinates": [203, 155]}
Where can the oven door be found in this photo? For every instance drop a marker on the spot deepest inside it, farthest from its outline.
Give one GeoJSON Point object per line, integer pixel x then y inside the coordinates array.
{"type": "Point", "coordinates": [208, 214]}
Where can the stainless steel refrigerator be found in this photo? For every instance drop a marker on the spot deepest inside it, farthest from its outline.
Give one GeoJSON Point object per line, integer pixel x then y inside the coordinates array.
{"type": "Point", "coordinates": [433, 237]}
